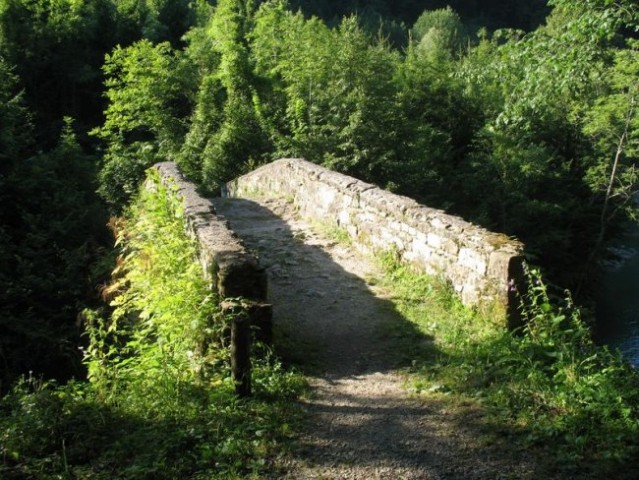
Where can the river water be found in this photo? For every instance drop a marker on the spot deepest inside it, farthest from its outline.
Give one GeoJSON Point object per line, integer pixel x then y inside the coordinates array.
{"type": "Point", "coordinates": [618, 296]}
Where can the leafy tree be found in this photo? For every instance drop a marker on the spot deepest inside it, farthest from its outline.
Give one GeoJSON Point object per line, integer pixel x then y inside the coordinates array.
{"type": "Point", "coordinates": [240, 140]}
{"type": "Point", "coordinates": [439, 31]}
{"type": "Point", "coordinates": [155, 20]}
{"type": "Point", "coordinates": [334, 91]}
{"type": "Point", "coordinates": [148, 92]}
{"type": "Point", "coordinates": [15, 141]}
{"type": "Point", "coordinates": [613, 125]}
{"type": "Point", "coordinates": [356, 104]}
{"type": "Point", "coordinates": [533, 150]}
{"type": "Point", "coordinates": [204, 122]}
{"type": "Point", "coordinates": [439, 122]}
{"type": "Point", "coordinates": [48, 238]}
{"type": "Point", "coordinates": [597, 21]}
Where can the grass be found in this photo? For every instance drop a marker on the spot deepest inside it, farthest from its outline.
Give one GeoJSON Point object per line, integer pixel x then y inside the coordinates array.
{"type": "Point", "coordinates": [333, 232]}
{"type": "Point", "coordinates": [547, 383]}
{"type": "Point", "coordinates": [160, 401]}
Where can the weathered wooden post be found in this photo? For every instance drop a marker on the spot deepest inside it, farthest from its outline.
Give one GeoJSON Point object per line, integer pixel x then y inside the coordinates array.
{"type": "Point", "coordinates": [246, 319]}
{"type": "Point", "coordinates": [241, 353]}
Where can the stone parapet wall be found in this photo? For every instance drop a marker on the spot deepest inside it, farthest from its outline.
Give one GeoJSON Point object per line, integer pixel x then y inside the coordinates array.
{"type": "Point", "coordinates": [480, 265]}
{"type": "Point", "coordinates": [234, 273]}
{"type": "Point", "coordinates": [232, 270]}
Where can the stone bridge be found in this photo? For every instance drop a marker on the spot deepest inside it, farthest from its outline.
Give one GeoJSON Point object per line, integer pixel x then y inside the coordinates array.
{"type": "Point", "coordinates": [481, 266]}
{"type": "Point", "coordinates": [337, 320]}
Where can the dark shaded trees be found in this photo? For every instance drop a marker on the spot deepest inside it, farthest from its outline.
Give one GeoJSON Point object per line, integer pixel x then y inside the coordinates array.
{"type": "Point", "coordinates": [57, 49]}
{"type": "Point", "coordinates": [48, 225]}
{"type": "Point", "coordinates": [52, 224]}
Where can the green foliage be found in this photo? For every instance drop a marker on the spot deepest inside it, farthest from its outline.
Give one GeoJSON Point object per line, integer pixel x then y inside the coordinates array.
{"type": "Point", "coordinates": [500, 132]}
{"type": "Point", "coordinates": [155, 20]}
{"type": "Point", "coordinates": [148, 99]}
{"type": "Point", "coordinates": [51, 221]}
{"type": "Point", "coordinates": [596, 21]}
{"type": "Point", "coordinates": [160, 402]}
{"type": "Point", "coordinates": [205, 121]}
{"type": "Point", "coordinates": [57, 48]}
{"type": "Point", "coordinates": [433, 143]}
{"type": "Point", "coordinates": [239, 142]}
{"type": "Point", "coordinates": [439, 30]}
{"type": "Point", "coordinates": [531, 134]}
{"type": "Point", "coordinates": [162, 311]}
{"type": "Point", "coordinates": [333, 91]}
{"type": "Point", "coordinates": [48, 238]}
{"type": "Point", "coordinates": [534, 157]}
{"type": "Point", "coordinates": [225, 136]}
{"type": "Point", "coordinates": [547, 381]}
{"type": "Point", "coordinates": [561, 387]}
{"type": "Point", "coordinates": [613, 124]}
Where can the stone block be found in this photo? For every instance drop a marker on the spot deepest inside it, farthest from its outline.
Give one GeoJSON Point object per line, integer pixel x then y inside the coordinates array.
{"type": "Point", "coordinates": [472, 260]}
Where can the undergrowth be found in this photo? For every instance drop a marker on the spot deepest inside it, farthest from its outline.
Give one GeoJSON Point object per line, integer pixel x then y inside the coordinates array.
{"type": "Point", "coordinates": [159, 402]}
{"type": "Point", "coordinates": [547, 383]}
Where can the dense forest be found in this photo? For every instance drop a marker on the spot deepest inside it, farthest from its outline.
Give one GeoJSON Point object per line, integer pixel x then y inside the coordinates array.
{"type": "Point", "coordinates": [520, 116]}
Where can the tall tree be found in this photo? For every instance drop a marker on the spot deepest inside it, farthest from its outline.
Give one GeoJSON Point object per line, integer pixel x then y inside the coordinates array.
{"type": "Point", "coordinates": [149, 99]}
{"type": "Point", "coordinates": [613, 124]}
{"type": "Point", "coordinates": [240, 140]}
{"type": "Point", "coordinates": [334, 88]}
{"type": "Point", "coordinates": [533, 150]}
{"type": "Point", "coordinates": [440, 31]}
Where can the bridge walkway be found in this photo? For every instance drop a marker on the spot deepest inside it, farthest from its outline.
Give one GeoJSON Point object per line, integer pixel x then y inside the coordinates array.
{"type": "Point", "coordinates": [332, 321]}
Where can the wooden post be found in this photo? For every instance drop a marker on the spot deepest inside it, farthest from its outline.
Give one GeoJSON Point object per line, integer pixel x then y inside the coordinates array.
{"type": "Point", "coordinates": [247, 319]}
{"type": "Point", "coordinates": [261, 317]}
{"type": "Point", "coordinates": [241, 353]}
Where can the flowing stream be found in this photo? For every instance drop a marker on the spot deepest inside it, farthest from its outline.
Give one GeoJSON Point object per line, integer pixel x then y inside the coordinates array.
{"type": "Point", "coordinates": [618, 298]}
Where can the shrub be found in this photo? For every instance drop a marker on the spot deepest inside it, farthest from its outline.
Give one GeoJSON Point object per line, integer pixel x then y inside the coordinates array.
{"type": "Point", "coordinates": [158, 404]}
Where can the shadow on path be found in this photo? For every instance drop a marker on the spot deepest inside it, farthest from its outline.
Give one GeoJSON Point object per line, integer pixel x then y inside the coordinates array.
{"type": "Point", "coordinates": [329, 321]}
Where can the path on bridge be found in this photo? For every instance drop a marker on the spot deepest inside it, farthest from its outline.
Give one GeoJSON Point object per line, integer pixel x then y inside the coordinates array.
{"type": "Point", "coordinates": [331, 320]}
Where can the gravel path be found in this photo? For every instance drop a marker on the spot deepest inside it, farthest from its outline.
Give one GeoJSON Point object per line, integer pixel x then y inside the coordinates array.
{"type": "Point", "coordinates": [362, 424]}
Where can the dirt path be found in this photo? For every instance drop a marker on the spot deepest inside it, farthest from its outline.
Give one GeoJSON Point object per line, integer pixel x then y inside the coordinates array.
{"type": "Point", "coordinates": [362, 424]}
